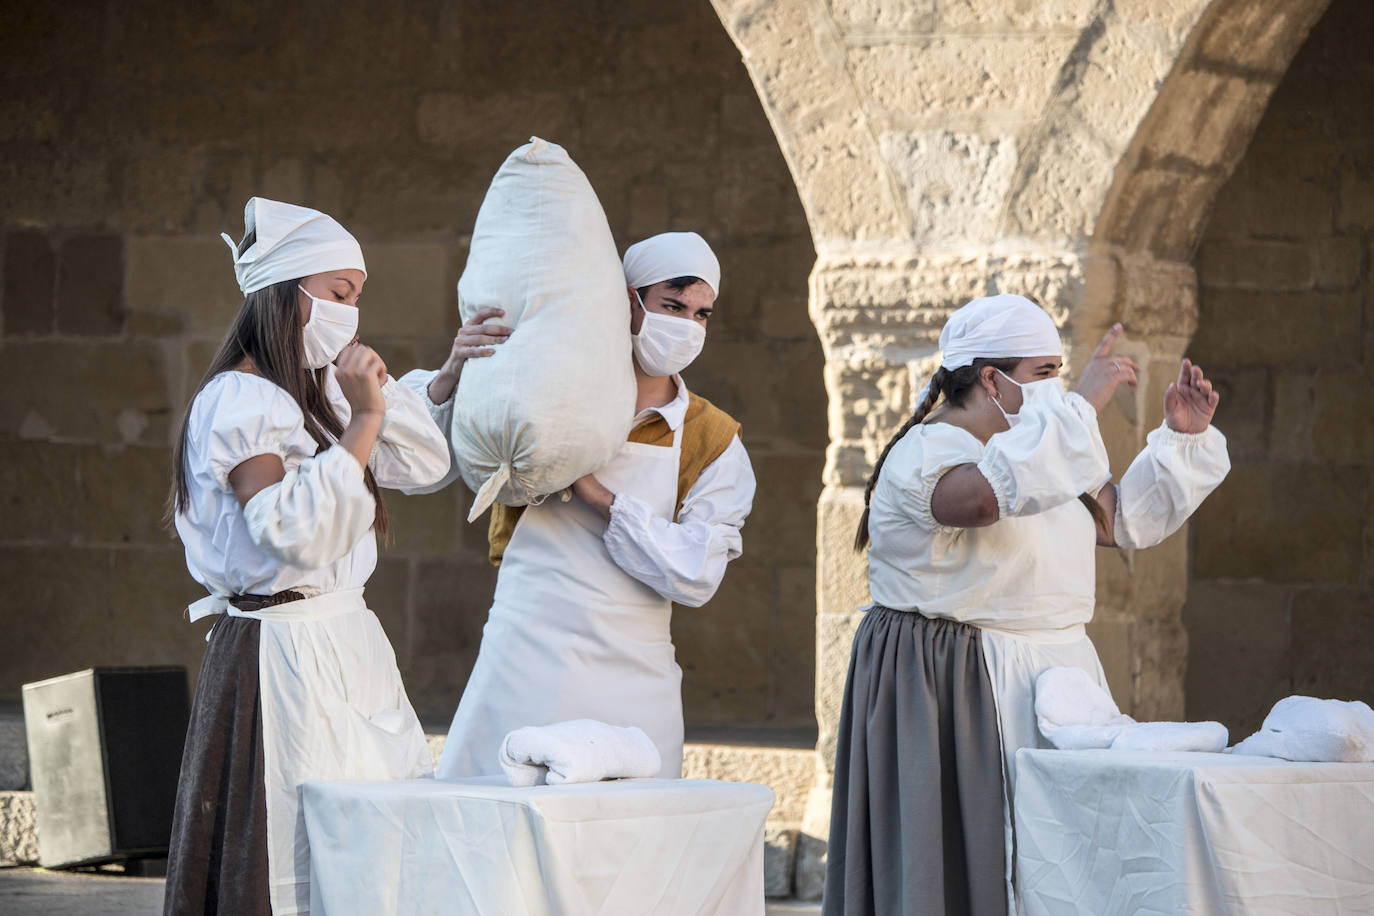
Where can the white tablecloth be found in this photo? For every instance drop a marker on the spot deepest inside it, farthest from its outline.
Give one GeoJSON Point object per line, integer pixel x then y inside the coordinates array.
{"type": "Point", "coordinates": [634, 847]}
{"type": "Point", "coordinates": [1105, 832]}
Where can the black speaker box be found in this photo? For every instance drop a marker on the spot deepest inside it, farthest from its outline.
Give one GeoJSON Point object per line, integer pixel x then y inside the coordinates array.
{"type": "Point", "coordinates": [104, 756]}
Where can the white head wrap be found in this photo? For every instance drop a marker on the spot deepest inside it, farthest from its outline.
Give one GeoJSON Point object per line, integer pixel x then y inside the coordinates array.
{"type": "Point", "coordinates": [292, 242]}
{"type": "Point", "coordinates": [996, 327]}
{"type": "Point", "coordinates": [670, 255]}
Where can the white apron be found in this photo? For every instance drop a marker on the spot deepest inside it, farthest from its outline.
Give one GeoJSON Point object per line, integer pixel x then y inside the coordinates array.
{"type": "Point", "coordinates": [570, 634]}
{"type": "Point", "coordinates": [333, 707]}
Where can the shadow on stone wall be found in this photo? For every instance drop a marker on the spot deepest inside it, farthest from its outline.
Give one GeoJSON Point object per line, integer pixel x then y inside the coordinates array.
{"type": "Point", "coordinates": [1280, 592]}
{"type": "Point", "coordinates": [133, 135]}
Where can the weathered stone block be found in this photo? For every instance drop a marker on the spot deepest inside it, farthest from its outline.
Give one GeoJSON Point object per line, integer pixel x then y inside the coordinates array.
{"type": "Point", "coordinates": [388, 596]}
{"type": "Point", "coordinates": [789, 772]}
{"type": "Point", "coordinates": [18, 829]}
{"type": "Point", "coordinates": [842, 571]}
{"type": "Point", "coordinates": [90, 285]}
{"type": "Point", "coordinates": [834, 642]}
{"type": "Point", "coordinates": [723, 648]}
{"type": "Point", "coordinates": [1238, 652]}
{"type": "Point", "coordinates": [145, 597]}
{"type": "Point", "coordinates": [30, 279]}
{"type": "Point", "coordinates": [1244, 328]}
{"type": "Point", "coordinates": [1291, 435]}
{"type": "Point", "coordinates": [38, 378]}
{"type": "Point", "coordinates": [792, 641]}
{"type": "Point", "coordinates": [56, 612]}
{"type": "Point", "coordinates": [978, 15]}
{"type": "Point", "coordinates": [782, 526]}
{"type": "Point", "coordinates": [1332, 651]}
{"type": "Point", "coordinates": [1054, 202]}
{"type": "Point", "coordinates": [779, 855]}
{"type": "Point", "coordinates": [1291, 190]}
{"type": "Point", "coordinates": [452, 119]}
{"type": "Point", "coordinates": [1111, 638]}
{"type": "Point", "coordinates": [1282, 523]}
{"type": "Point", "coordinates": [1340, 261]}
{"type": "Point", "coordinates": [123, 492]}
{"type": "Point", "coordinates": [956, 183]}
{"type": "Point", "coordinates": [1258, 265]}
{"type": "Point", "coordinates": [426, 524]}
{"type": "Point", "coordinates": [40, 495]}
{"type": "Point", "coordinates": [1260, 36]}
{"type": "Point", "coordinates": [14, 752]}
{"type": "Point", "coordinates": [1210, 119]}
{"type": "Point", "coordinates": [410, 290]}
{"type": "Point", "coordinates": [1343, 417]}
{"type": "Point", "coordinates": [183, 276]}
{"type": "Point", "coordinates": [450, 602]}
{"type": "Point", "coordinates": [809, 880]}
{"type": "Point", "coordinates": [933, 80]}
{"type": "Point", "coordinates": [883, 16]}
{"type": "Point", "coordinates": [1159, 650]}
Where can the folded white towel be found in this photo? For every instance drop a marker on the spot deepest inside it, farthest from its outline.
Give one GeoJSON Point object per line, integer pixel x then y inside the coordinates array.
{"type": "Point", "coordinates": [580, 750]}
{"type": "Point", "coordinates": [1075, 713]}
{"type": "Point", "coordinates": [1209, 737]}
{"type": "Point", "coordinates": [1306, 728]}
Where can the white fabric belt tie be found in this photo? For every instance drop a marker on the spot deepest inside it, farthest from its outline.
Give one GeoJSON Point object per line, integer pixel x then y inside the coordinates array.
{"type": "Point", "coordinates": [1067, 634]}
{"type": "Point", "coordinates": [330, 604]}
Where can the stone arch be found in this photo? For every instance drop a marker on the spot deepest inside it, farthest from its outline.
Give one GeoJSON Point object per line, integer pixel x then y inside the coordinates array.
{"type": "Point", "coordinates": [1069, 150]}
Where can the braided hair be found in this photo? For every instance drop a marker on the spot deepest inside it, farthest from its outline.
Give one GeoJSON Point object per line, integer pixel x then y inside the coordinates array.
{"type": "Point", "coordinates": [955, 386]}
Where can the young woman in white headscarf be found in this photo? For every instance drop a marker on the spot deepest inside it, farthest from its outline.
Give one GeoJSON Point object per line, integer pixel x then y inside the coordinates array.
{"type": "Point", "coordinates": [277, 474]}
{"type": "Point", "coordinates": [980, 522]}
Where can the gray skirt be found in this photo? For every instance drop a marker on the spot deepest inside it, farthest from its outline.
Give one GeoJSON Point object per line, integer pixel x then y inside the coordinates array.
{"type": "Point", "coordinates": [916, 825]}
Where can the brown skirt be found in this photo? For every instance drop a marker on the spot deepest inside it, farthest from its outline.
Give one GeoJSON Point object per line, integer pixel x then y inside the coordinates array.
{"type": "Point", "coordinates": [916, 820]}
{"type": "Point", "coordinates": [217, 860]}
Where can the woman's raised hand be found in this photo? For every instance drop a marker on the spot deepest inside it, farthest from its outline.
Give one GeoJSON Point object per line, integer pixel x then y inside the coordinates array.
{"type": "Point", "coordinates": [1190, 401]}
{"type": "Point", "coordinates": [474, 340]}
{"type": "Point", "coordinates": [1105, 372]}
{"type": "Point", "coordinates": [361, 374]}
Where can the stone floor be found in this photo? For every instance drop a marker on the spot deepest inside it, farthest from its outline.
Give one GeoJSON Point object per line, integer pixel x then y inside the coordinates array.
{"type": "Point", "coordinates": [36, 892]}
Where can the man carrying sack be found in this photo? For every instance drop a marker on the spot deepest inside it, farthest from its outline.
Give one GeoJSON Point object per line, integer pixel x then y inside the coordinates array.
{"type": "Point", "coordinates": [579, 626]}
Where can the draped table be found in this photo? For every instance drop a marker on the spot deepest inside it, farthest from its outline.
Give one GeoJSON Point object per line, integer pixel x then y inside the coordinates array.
{"type": "Point", "coordinates": [635, 846]}
{"type": "Point", "coordinates": [1104, 832]}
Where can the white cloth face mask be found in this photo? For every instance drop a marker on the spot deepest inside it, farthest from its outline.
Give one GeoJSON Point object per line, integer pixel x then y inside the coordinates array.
{"type": "Point", "coordinates": [1040, 390]}
{"type": "Point", "coordinates": [666, 345]}
{"type": "Point", "coordinates": [332, 326]}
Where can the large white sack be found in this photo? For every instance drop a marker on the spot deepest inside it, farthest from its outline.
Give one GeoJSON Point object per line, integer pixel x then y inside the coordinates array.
{"type": "Point", "coordinates": [557, 399]}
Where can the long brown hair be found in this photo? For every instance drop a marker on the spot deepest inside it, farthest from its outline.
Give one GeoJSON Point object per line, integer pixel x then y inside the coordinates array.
{"type": "Point", "coordinates": [267, 331]}
{"type": "Point", "coordinates": [955, 385]}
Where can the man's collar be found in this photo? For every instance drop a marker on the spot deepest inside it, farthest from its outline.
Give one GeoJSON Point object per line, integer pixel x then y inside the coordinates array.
{"type": "Point", "coordinates": [674, 412]}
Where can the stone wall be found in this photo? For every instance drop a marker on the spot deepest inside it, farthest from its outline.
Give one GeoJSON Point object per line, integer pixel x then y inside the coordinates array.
{"type": "Point", "coordinates": [1282, 577]}
{"type": "Point", "coordinates": [131, 136]}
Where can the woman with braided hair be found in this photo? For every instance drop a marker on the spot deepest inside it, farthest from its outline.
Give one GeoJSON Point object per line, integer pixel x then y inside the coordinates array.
{"type": "Point", "coordinates": [980, 521]}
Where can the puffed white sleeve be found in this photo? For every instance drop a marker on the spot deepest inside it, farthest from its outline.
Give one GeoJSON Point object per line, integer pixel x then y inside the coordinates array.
{"type": "Point", "coordinates": [1166, 483]}
{"type": "Point", "coordinates": [314, 515]}
{"type": "Point", "coordinates": [410, 451]}
{"type": "Point", "coordinates": [685, 560]}
{"type": "Point", "coordinates": [915, 467]}
{"type": "Point", "coordinates": [1053, 453]}
{"type": "Point", "coordinates": [240, 416]}
{"type": "Point", "coordinates": [441, 415]}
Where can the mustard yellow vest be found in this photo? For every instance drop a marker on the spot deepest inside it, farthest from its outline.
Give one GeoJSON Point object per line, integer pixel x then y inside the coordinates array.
{"type": "Point", "coordinates": [706, 432]}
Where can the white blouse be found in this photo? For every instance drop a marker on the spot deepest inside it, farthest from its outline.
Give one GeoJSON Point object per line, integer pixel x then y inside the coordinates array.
{"type": "Point", "coordinates": [682, 560]}
{"type": "Point", "coordinates": [312, 531]}
{"type": "Point", "coordinates": [1033, 571]}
